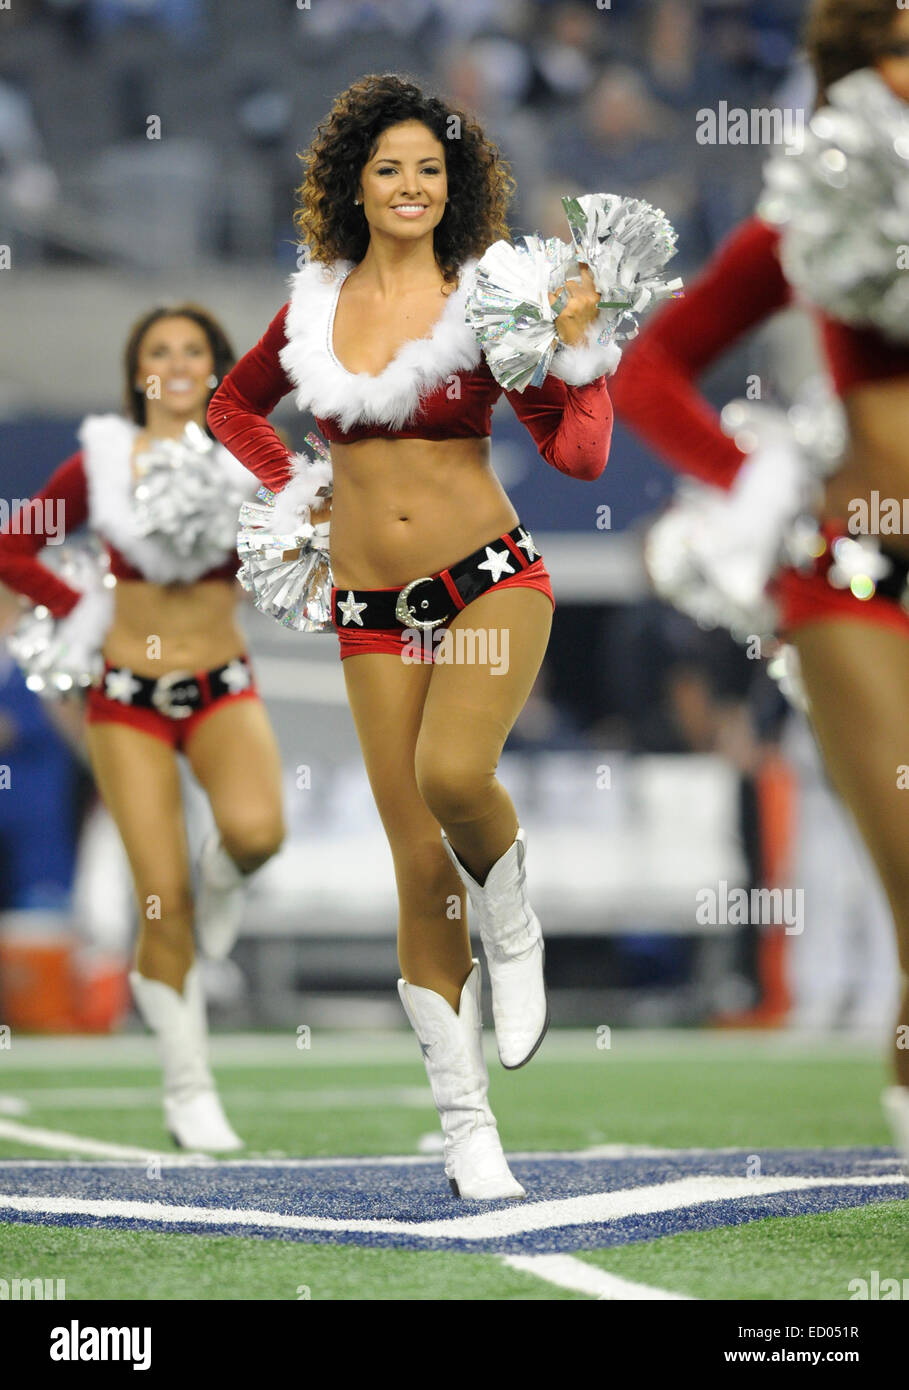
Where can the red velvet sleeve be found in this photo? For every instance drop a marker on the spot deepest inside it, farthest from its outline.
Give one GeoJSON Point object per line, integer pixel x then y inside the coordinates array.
{"type": "Point", "coordinates": [58, 510]}
{"type": "Point", "coordinates": [653, 390]}
{"type": "Point", "coordinates": [571, 425]}
{"type": "Point", "coordinates": [238, 411]}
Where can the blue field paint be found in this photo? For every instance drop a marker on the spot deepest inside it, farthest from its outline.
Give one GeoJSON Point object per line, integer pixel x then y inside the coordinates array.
{"type": "Point", "coordinates": [417, 1193]}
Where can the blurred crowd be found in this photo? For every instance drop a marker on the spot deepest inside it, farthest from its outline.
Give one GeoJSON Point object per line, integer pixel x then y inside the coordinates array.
{"type": "Point", "coordinates": [581, 95]}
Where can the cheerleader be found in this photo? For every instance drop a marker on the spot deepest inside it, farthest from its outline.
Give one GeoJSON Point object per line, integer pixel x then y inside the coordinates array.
{"type": "Point", "coordinates": [841, 609]}
{"type": "Point", "coordinates": [401, 195]}
{"type": "Point", "coordinates": [176, 678]}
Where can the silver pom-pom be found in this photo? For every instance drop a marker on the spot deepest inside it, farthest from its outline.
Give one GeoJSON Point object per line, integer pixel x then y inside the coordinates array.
{"type": "Point", "coordinates": [815, 422]}
{"type": "Point", "coordinates": [508, 308]}
{"type": "Point", "coordinates": [626, 243]}
{"type": "Point", "coordinates": [287, 573]}
{"type": "Point", "coordinates": [183, 498]}
{"type": "Point", "coordinates": [841, 200]}
{"type": "Point", "coordinates": [62, 656]}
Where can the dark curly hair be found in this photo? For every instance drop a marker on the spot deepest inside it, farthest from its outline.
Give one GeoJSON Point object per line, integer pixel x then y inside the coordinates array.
{"type": "Point", "coordinates": [843, 35]}
{"type": "Point", "coordinates": [480, 184]}
{"type": "Point", "coordinates": [218, 342]}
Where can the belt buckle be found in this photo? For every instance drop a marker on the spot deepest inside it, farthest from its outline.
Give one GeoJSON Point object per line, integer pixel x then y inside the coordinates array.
{"type": "Point", "coordinates": [165, 696]}
{"type": "Point", "coordinates": [404, 611]}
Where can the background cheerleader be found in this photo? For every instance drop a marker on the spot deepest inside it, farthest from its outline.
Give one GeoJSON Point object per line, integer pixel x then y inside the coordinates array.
{"type": "Point", "coordinates": [853, 649]}
{"type": "Point", "coordinates": [175, 678]}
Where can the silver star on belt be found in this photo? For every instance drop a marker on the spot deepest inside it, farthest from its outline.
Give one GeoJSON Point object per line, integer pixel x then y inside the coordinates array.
{"type": "Point", "coordinates": [497, 563]}
{"type": "Point", "coordinates": [351, 610]}
{"type": "Point", "coordinates": [526, 543]}
{"type": "Point", "coordinates": [122, 686]}
{"type": "Point", "coordinates": [236, 677]}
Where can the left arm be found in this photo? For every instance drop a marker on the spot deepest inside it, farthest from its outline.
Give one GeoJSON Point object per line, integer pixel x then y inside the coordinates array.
{"type": "Point", "coordinates": [570, 415]}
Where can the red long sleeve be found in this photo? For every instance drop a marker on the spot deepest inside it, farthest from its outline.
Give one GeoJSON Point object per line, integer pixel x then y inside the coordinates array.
{"type": "Point", "coordinates": [26, 535]}
{"type": "Point", "coordinates": [653, 390]}
{"type": "Point", "coordinates": [238, 411]}
{"type": "Point", "coordinates": [571, 425]}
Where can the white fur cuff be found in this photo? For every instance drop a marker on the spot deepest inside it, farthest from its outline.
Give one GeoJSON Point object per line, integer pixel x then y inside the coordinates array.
{"type": "Point", "coordinates": [293, 502]}
{"type": "Point", "coordinates": [585, 361]}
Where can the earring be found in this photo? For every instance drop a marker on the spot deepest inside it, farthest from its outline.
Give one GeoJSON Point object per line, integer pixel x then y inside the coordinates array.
{"type": "Point", "coordinates": [356, 202]}
{"type": "Point", "coordinates": [212, 382]}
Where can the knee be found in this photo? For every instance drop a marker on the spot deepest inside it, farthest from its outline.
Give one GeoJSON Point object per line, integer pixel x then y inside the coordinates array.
{"type": "Point", "coordinates": [252, 842]}
{"type": "Point", "coordinates": [454, 788]}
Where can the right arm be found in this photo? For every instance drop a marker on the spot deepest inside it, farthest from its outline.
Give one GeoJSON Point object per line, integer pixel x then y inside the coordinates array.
{"type": "Point", "coordinates": [654, 390]}
{"type": "Point", "coordinates": [238, 411]}
{"type": "Point", "coordinates": [22, 539]}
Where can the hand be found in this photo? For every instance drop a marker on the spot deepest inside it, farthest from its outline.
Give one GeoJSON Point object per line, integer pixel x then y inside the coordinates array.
{"type": "Point", "coordinates": [580, 311]}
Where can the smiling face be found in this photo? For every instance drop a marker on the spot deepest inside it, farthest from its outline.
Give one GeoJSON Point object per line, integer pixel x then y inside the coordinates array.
{"type": "Point", "coordinates": [403, 186]}
{"type": "Point", "coordinates": [174, 363]}
{"type": "Point", "coordinates": [893, 66]}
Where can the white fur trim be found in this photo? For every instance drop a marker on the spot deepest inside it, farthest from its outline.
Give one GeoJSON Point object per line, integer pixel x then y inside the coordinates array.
{"type": "Point", "coordinates": [292, 503]}
{"type": "Point", "coordinates": [107, 445]}
{"type": "Point", "coordinates": [391, 398]}
{"type": "Point", "coordinates": [83, 630]}
{"type": "Point", "coordinates": [585, 361]}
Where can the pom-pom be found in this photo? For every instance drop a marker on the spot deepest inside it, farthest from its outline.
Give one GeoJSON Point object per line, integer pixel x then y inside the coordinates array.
{"type": "Point", "coordinates": [183, 499]}
{"type": "Point", "coordinates": [62, 656]}
{"type": "Point", "coordinates": [285, 558]}
{"type": "Point", "coordinates": [623, 240]}
{"type": "Point", "coordinates": [841, 200]}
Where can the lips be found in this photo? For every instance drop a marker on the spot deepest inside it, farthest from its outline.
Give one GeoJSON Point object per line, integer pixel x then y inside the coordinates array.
{"type": "Point", "coordinates": [409, 209]}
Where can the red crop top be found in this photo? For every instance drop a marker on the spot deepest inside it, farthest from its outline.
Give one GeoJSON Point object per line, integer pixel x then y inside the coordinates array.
{"type": "Point", "coordinates": [20, 571]}
{"type": "Point", "coordinates": [653, 390]}
{"type": "Point", "coordinates": [435, 388]}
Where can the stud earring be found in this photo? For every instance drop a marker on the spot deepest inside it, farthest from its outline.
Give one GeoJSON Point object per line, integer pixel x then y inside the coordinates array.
{"type": "Point", "coordinates": [212, 382]}
{"type": "Point", "coordinates": [356, 202]}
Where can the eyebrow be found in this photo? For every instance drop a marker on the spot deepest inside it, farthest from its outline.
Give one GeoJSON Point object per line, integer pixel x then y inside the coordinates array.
{"type": "Point", "coordinates": [383, 159]}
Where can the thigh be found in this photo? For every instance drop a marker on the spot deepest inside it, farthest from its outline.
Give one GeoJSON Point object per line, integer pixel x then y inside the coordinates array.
{"type": "Point", "coordinates": [386, 697]}
{"type": "Point", "coordinates": [138, 778]}
{"type": "Point", "coordinates": [857, 678]}
{"type": "Point", "coordinates": [235, 758]}
{"type": "Point", "coordinates": [486, 671]}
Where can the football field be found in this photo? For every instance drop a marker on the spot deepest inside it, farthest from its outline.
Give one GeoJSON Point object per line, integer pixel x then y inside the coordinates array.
{"type": "Point", "coordinates": [666, 1166]}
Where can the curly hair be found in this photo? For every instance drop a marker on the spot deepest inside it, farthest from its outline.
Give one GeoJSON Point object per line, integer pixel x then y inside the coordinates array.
{"type": "Point", "coordinates": [843, 35]}
{"type": "Point", "coordinates": [218, 342]}
{"type": "Point", "coordinates": [480, 184]}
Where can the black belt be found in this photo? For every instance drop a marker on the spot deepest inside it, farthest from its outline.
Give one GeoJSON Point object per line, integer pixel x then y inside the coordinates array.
{"type": "Point", "coordinates": [428, 602]}
{"type": "Point", "coordinates": [895, 585]}
{"type": "Point", "coordinates": [180, 693]}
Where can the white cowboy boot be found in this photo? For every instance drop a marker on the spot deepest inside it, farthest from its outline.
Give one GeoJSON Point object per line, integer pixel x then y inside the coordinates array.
{"type": "Point", "coordinates": [219, 900]}
{"type": "Point", "coordinates": [513, 941]}
{"type": "Point", "coordinates": [192, 1110]}
{"type": "Point", "coordinates": [895, 1101]}
{"type": "Point", "coordinates": [452, 1047]}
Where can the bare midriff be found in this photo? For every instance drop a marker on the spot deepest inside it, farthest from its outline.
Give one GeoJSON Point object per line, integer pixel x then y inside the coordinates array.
{"type": "Point", "coordinates": [877, 460]}
{"type": "Point", "coordinates": [404, 508]}
{"type": "Point", "coordinates": [159, 628]}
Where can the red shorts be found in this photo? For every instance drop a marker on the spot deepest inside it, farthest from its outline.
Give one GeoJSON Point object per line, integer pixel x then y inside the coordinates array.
{"type": "Point", "coordinates": [397, 641]}
{"type": "Point", "coordinates": [808, 597]}
{"type": "Point", "coordinates": [177, 732]}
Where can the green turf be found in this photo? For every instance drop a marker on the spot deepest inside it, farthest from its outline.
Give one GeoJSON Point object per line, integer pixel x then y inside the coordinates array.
{"type": "Point", "coordinates": [147, 1265]}
{"type": "Point", "coordinates": [782, 1257]}
{"type": "Point", "coordinates": [708, 1101]}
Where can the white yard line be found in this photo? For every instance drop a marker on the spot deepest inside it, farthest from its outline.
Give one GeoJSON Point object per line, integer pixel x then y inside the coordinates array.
{"type": "Point", "coordinates": [521, 1218]}
{"type": "Point", "coordinates": [568, 1272]}
{"type": "Point", "coordinates": [140, 1097]}
{"type": "Point", "coordinates": [38, 1138]}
